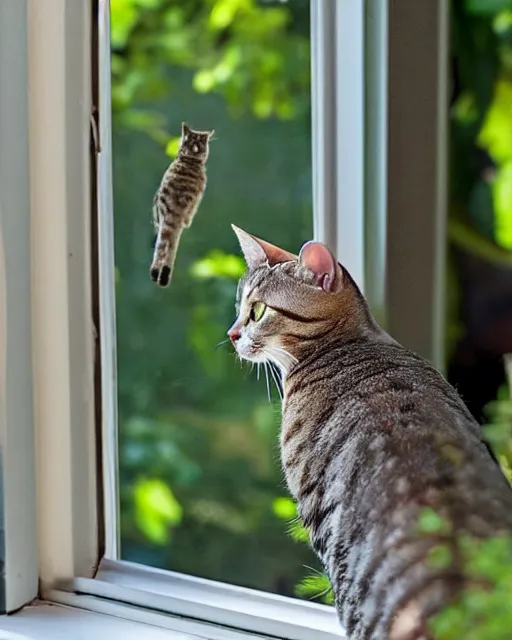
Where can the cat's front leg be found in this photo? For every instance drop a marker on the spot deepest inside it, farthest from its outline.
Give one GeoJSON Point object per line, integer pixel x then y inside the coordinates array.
{"type": "Point", "coordinates": [190, 213]}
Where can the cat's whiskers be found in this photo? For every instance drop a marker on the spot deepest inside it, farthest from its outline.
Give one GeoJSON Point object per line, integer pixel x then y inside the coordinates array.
{"type": "Point", "coordinates": [221, 343]}
{"type": "Point", "coordinates": [321, 594]}
{"type": "Point", "coordinates": [275, 376]}
{"type": "Point", "coordinates": [281, 358]}
{"type": "Point", "coordinates": [316, 571]}
{"type": "Point", "coordinates": [266, 377]}
{"type": "Point", "coordinates": [291, 360]}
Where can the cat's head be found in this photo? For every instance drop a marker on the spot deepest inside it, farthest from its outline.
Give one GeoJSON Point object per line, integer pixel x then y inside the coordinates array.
{"type": "Point", "coordinates": [195, 144]}
{"type": "Point", "coordinates": [287, 303]}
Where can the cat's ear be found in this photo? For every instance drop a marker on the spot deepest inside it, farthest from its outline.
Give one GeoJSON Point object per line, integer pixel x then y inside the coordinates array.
{"type": "Point", "coordinates": [185, 129]}
{"type": "Point", "coordinates": [317, 258]}
{"type": "Point", "coordinates": [258, 252]}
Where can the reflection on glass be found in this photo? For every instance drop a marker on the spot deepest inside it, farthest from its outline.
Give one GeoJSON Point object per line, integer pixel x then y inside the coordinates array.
{"type": "Point", "coordinates": [201, 487]}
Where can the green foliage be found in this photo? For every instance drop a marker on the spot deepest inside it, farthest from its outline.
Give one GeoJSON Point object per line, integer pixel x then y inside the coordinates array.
{"type": "Point", "coordinates": [487, 7]}
{"type": "Point", "coordinates": [481, 118]}
{"type": "Point", "coordinates": [496, 137]}
{"type": "Point", "coordinates": [316, 587]}
{"type": "Point", "coordinates": [191, 422]}
{"type": "Point", "coordinates": [431, 522]}
{"type": "Point", "coordinates": [481, 224]}
{"type": "Point", "coordinates": [172, 146]}
{"type": "Point", "coordinates": [483, 612]}
{"type": "Point", "coordinates": [255, 56]}
{"type": "Point", "coordinates": [217, 264]}
{"type": "Point", "coordinates": [284, 508]}
{"type": "Point", "coordinates": [156, 509]}
{"type": "Point", "coordinates": [499, 431]}
{"type": "Point", "coordinates": [440, 557]}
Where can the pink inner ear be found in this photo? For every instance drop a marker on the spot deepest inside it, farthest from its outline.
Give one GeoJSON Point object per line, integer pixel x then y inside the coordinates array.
{"type": "Point", "coordinates": [274, 254]}
{"type": "Point", "coordinates": [316, 257]}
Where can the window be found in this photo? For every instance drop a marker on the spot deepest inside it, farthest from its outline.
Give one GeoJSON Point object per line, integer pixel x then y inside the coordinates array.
{"type": "Point", "coordinates": [200, 483]}
{"type": "Point", "coordinates": [192, 439]}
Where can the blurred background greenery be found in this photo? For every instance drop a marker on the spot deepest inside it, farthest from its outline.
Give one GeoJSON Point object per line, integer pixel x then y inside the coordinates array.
{"type": "Point", "coordinates": [201, 487]}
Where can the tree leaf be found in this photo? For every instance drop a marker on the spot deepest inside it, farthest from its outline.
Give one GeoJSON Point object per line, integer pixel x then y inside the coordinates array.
{"type": "Point", "coordinates": [156, 509]}
{"type": "Point", "coordinates": [487, 7]}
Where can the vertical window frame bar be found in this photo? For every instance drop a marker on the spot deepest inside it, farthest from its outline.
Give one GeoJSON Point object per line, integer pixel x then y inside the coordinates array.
{"type": "Point", "coordinates": [18, 514]}
{"type": "Point", "coordinates": [417, 175]}
{"type": "Point", "coordinates": [338, 129]}
{"type": "Point", "coordinates": [107, 294]}
{"type": "Point", "coordinates": [63, 329]}
{"type": "Point", "coordinates": [350, 136]}
{"type": "Point", "coordinates": [376, 119]}
{"type": "Point", "coordinates": [323, 120]}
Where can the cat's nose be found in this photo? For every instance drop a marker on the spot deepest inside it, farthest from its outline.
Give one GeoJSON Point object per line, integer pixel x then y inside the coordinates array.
{"type": "Point", "coordinates": [234, 334]}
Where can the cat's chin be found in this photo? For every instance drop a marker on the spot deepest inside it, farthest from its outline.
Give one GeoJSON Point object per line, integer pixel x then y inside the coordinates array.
{"type": "Point", "coordinates": [255, 357]}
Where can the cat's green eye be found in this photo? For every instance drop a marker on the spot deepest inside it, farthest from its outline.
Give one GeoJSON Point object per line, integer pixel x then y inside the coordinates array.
{"type": "Point", "coordinates": [257, 311]}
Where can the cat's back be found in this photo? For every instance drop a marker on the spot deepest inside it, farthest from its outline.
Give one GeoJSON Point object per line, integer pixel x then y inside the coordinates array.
{"type": "Point", "coordinates": [373, 415]}
{"type": "Point", "coordinates": [379, 384]}
{"type": "Point", "coordinates": [370, 370]}
{"type": "Point", "coordinates": [183, 172]}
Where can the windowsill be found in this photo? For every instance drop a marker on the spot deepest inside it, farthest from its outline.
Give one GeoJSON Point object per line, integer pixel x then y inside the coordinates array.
{"type": "Point", "coordinates": [235, 611]}
{"type": "Point", "coordinates": [128, 602]}
{"type": "Point", "coordinates": [46, 621]}
{"type": "Point", "coordinates": [50, 621]}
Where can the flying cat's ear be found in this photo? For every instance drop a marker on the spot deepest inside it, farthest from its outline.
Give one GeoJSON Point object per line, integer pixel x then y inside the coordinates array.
{"type": "Point", "coordinates": [258, 252]}
{"type": "Point", "coordinates": [317, 258]}
{"type": "Point", "coordinates": [185, 129]}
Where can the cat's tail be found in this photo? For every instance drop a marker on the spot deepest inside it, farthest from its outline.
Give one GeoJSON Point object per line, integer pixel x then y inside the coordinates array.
{"type": "Point", "coordinates": [164, 255]}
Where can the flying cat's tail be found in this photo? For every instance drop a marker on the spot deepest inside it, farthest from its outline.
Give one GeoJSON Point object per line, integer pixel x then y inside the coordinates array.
{"type": "Point", "coordinates": [164, 256]}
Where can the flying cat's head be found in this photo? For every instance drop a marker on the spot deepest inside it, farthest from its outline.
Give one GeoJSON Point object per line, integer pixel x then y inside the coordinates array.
{"type": "Point", "coordinates": [286, 303]}
{"type": "Point", "coordinates": [195, 144]}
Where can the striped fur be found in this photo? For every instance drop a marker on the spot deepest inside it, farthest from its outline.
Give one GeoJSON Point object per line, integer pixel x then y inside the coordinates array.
{"type": "Point", "coordinates": [177, 200]}
{"type": "Point", "coordinates": [371, 434]}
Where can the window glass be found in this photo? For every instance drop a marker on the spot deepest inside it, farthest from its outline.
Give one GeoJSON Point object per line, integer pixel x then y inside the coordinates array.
{"type": "Point", "coordinates": [201, 487]}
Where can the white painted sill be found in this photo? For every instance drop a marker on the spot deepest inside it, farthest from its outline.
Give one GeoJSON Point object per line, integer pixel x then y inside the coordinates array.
{"type": "Point", "coordinates": [47, 621]}
{"type": "Point", "coordinates": [128, 601]}
{"type": "Point", "coordinates": [196, 606]}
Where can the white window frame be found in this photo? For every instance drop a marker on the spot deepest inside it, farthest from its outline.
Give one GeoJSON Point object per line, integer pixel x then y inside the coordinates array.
{"type": "Point", "coordinates": [49, 280]}
{"type": "Point", "coordinates": [18, 549]}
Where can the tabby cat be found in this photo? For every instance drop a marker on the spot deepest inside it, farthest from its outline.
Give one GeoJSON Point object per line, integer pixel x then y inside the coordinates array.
{"type": "Point", "coordinates": [371, 436]}
{"type": "Point", "coordinates": [177, 200]}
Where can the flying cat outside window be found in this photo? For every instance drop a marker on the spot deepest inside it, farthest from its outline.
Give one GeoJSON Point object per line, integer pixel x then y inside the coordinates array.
{"type": "Point", "coordinates": [177, 200]}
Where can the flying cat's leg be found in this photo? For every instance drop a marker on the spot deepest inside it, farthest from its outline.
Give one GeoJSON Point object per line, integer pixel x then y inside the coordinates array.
{"type": "Point", "coordinates": [166, 247]}
{"type": "Point", "coordinates": [191, 212]}
{"type": "Point", "coordinates": [155, 218]}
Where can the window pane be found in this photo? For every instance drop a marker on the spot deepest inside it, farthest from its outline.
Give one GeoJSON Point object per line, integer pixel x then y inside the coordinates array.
{"type": "Point", "coordinates": [201, 487]}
